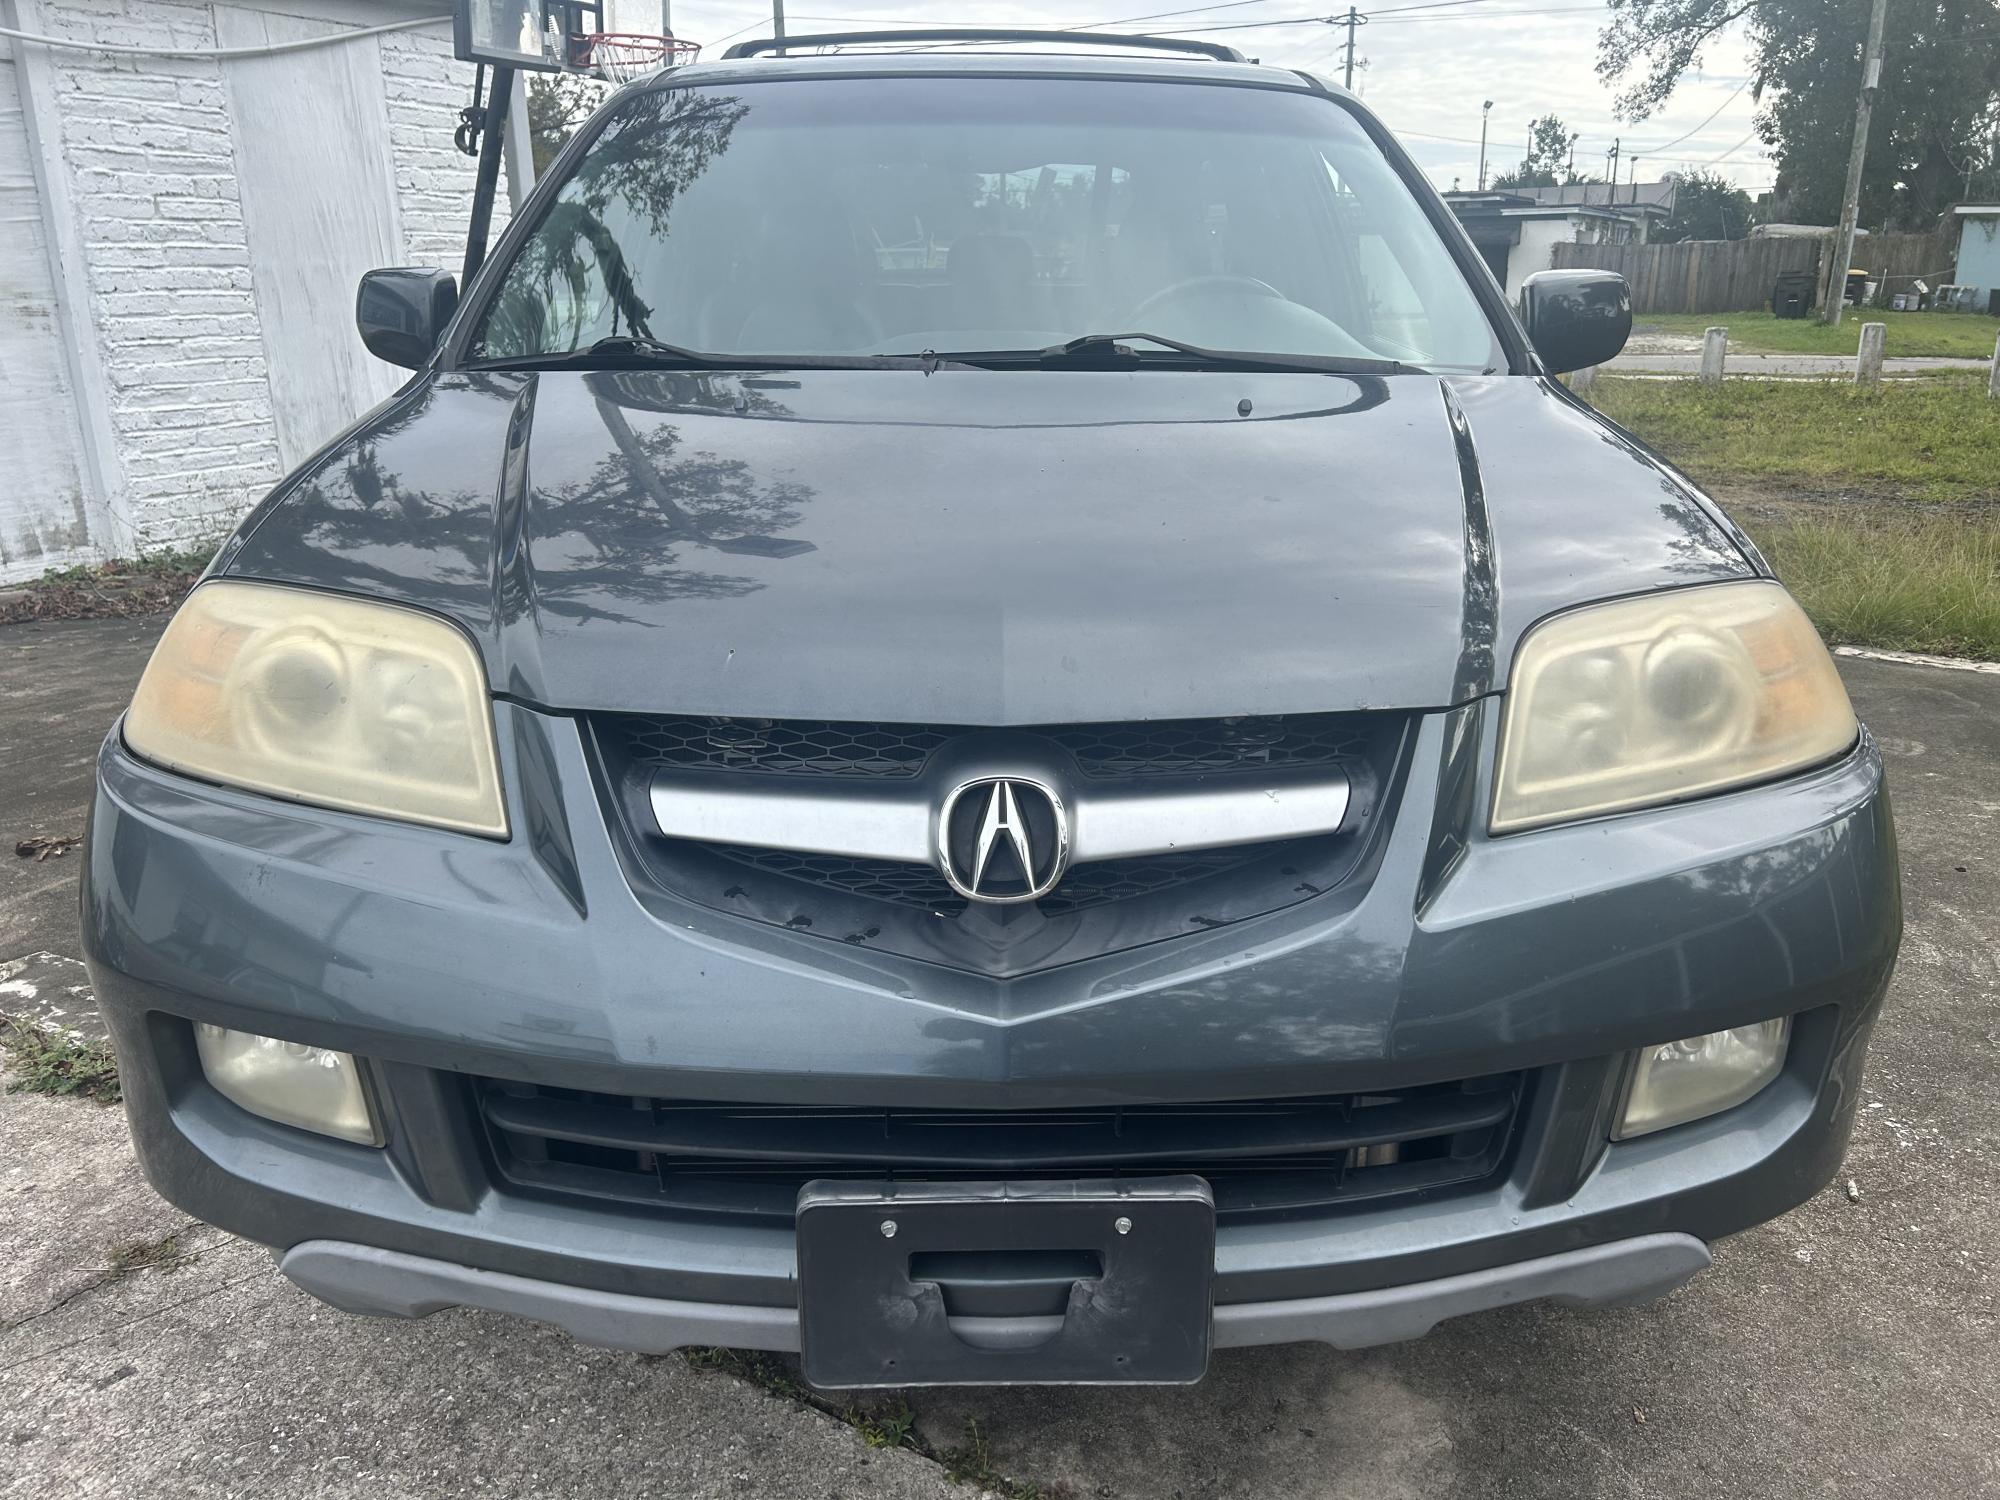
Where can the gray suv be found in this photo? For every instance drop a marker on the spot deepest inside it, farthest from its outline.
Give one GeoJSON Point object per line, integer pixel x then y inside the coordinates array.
{"type": "Point", "coordinates": [983, 715]}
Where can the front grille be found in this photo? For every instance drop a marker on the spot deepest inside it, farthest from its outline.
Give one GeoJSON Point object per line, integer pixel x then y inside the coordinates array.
{"type": "Point", "coordinates": [921, 888]}
{"type": "Point", "coordinates": [1261, 1156]}
{"type": "Point", "coordinates": [796, 747]}
{"type": "Point", "coordinates": [822, 747]}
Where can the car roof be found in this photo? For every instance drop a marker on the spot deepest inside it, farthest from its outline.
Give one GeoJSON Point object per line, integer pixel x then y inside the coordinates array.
{"type": "Point", "coordinates": [985, 61]}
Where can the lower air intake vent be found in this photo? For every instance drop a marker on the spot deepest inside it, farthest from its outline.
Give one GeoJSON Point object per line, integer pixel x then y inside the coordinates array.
{"type": "Point", "coordinates": [1259, 1155]}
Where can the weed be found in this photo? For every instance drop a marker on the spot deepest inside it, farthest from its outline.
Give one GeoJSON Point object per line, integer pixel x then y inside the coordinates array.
{"type": "Point", "coordinates": [971, 1462]}
{"type": "Point", "coordinates": [164, 1254]}
{"type": "Point", "coordinates": [892, 1426]}
{"type": "Point", "coordinates": [1909, 579]}
{"type": "Point", "coordinates": [58, 1062]}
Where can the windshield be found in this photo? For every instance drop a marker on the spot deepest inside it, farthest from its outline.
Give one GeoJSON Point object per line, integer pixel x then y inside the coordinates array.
{"type": "Point", "coordinates": [903, 215]}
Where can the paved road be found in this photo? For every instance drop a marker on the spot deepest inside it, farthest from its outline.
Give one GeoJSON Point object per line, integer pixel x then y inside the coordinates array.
{"type": "Point", "coordinates": [1847, 1349]}
{"type": "Point", "coordinates": [1767, 366]}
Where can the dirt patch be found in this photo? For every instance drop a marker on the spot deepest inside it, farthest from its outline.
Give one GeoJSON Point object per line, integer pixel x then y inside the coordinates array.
{"type": "Point", "coordinates": [143, 586]}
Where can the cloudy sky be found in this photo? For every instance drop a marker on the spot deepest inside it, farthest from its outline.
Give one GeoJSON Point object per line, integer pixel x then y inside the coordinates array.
{"type": "Point", "coordinates": [1429, 65]}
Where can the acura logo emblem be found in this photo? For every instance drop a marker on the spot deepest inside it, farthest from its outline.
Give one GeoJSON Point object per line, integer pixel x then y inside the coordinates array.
{"type": "Point", "coordinates": [1003, 839]}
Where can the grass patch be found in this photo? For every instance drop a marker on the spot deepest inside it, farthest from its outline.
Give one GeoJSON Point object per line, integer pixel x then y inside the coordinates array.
{"type": "Point", "coordinates": [1909, 335]}
{"type": "Point", "coordinates": [54, 1062]}
{"type": "Point", "coordinates": [1931, 440]}
{"type": "Point", "coordinates": [1879, 509]}
{"type": "Point", "coordinates": [1906, 579]}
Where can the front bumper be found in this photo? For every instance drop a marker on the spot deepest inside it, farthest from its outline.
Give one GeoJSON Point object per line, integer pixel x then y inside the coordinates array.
{"type": "Point", "coordinates": [382, 1283]}
{"type": "Point", "coordinates": [540, 960]}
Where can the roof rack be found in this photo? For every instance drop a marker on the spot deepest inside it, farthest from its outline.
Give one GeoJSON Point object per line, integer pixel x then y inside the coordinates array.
{"type": "Point", "coordinates": [1217, 50]}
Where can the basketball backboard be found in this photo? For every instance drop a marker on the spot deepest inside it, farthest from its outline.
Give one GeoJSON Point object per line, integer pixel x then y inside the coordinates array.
{"type": "Point", "coordinates": [543, 34]}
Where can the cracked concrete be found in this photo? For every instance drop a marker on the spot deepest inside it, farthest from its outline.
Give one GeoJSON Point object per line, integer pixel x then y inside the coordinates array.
{"type": "Point", "coordinates": [1846, 1349]}
{"type": "Point", "coordinates": [214, 1376]}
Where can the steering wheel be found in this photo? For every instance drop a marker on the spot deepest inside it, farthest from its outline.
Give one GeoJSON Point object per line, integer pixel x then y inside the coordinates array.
{"type": "Point", "coordinates": [1214, 281]}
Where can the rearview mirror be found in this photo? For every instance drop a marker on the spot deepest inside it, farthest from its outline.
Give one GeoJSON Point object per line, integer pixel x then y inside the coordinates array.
{"type": "Point", "coordinates": [401, 313]}
{"type": "Point", "coordinates": [1576, 319]}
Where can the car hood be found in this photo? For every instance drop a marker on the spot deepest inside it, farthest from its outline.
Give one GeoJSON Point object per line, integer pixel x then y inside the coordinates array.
{"type": "Point", "coordinates": [986, 547]}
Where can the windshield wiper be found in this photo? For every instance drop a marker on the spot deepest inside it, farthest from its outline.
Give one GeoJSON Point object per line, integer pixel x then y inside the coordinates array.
{"type": "Point", "coordinates": [1097, 349]}
{"type": "Point", "coordinates": [626, 349]}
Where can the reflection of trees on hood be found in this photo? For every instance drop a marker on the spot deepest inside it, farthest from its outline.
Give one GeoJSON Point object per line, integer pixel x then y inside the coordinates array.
{"type": "Point", "coordinates": [623, 529]}
{"type": "Point", "coordinates": [658, 145]}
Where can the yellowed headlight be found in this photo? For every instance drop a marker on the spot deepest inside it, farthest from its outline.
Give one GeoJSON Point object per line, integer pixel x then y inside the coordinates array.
{"type": "Point", "coordinates": [323, 698]}
{"type": "Point", "coordinates": [1661, 698]}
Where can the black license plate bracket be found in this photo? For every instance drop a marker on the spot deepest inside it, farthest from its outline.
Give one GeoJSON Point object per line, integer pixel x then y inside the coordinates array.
{"type": "Point", "coordinates": [1144, 1318]}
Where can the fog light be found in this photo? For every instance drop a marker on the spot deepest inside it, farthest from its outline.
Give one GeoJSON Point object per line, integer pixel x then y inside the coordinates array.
{"type": "Point", "coordinates": [1703, 1075]}
{"type": "Point", "coordinates": [289, 1082]}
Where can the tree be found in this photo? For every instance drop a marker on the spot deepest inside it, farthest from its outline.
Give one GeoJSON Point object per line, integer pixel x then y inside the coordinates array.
{"type": "Point", "coordinates": [1707, 206]}
{"type": "Point", "coordinates": [1547, 164]}
{"type": "Point", "coordinates": [1936, 113]}
{"type": "Point", "coordinates": [557, 104]}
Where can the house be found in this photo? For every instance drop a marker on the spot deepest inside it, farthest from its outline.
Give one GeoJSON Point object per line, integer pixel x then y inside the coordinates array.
{"type": "Point", "coordinates": [1514, 230]}
{"type": "Point", "coordinates": [1979, 252]}
{"type": "Point", "coordinates": [1646, 203]}
{"type": "Point", "coordinates": [180, 238]}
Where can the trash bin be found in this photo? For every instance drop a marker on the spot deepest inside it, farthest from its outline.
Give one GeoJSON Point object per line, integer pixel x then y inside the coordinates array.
{"type": "Point", "coordinates": [1857, 286]}
{"type": "Point", "coordinates": [1792, 293]}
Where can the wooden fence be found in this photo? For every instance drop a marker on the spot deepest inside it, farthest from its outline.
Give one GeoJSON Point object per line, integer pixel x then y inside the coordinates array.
{"type": "Point", "coordinates": [1702, 276]}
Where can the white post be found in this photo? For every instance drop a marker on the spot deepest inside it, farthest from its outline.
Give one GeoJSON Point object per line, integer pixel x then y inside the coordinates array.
{"type": "Point", "coordinates": [1714, 346]}
{"type": "Point", "coordinates": [1993, 381]}
{"type": "Point", "coordinates": [1581, 381]}
{"type": "Point", "coordinates": [517, 146]}
{"type": "Point", "coordinates": [1868, 363]}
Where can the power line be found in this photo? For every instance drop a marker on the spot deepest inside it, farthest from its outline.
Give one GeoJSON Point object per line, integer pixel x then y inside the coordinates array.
{"type": "Point", "coordinates": [1164, 15]}
{"type": "Point", "coordinates": [1498, 15]}
{"type": "Point", "coordinates": [1656, 150]}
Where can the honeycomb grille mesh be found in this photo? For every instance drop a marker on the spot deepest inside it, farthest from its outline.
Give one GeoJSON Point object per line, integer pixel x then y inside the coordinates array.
{"type": "Point", "coordinates": [919, 886]}
{"type": "Point", "coordinates": [797, 747]}
{"type": "Point", "coordinates": [823, 747]}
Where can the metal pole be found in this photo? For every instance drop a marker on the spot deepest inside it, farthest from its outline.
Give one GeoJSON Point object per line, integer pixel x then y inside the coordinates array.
{"type": "Point", "coordinates": [1484, 110]}
{"type": "Point", "coordinates": [1353, 20]}
{"type": "Point", "coordinates": [1850, 207]}
{"type": "Point", "coordinates": [491, 137]}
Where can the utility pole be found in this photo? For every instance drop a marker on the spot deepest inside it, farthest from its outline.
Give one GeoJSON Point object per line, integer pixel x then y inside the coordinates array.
{"type": "Point", "coordinates": [778, 19]}
{"type": "Point", "coordinates": [1354, 19]}
{"type": "Point", "coordinates": [1632, 177]}
{"type": "Point", "coordinates": [1484, 110]}
{"type": "Point", "coordinates": [1850, 207]}
{"type": "Point", "coordinates": [1610, 173]}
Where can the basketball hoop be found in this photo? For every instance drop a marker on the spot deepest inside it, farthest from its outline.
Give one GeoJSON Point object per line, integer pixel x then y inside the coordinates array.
{"type": "Point", "coordinates": [622, 56]}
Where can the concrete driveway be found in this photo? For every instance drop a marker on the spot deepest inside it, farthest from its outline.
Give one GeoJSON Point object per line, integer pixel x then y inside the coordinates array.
{"type": "Point", "coordinates": [1847, 1349]}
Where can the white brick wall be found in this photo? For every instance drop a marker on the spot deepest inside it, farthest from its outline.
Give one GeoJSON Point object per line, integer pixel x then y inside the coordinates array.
{"type": "Point", "coordinates": [427, 87]}
{"type": "Point", "coordinates": [146, 143]}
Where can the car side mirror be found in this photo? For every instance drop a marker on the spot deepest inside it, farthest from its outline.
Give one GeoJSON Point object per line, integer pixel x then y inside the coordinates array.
{"type": "Point", "coordinates": [402, 312]}
{"type": "Point", "coordinates": [1576, 319]}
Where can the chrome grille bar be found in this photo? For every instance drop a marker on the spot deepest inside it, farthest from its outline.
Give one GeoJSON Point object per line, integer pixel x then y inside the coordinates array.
{"type": "Point", "coordinates": [870, 821]}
